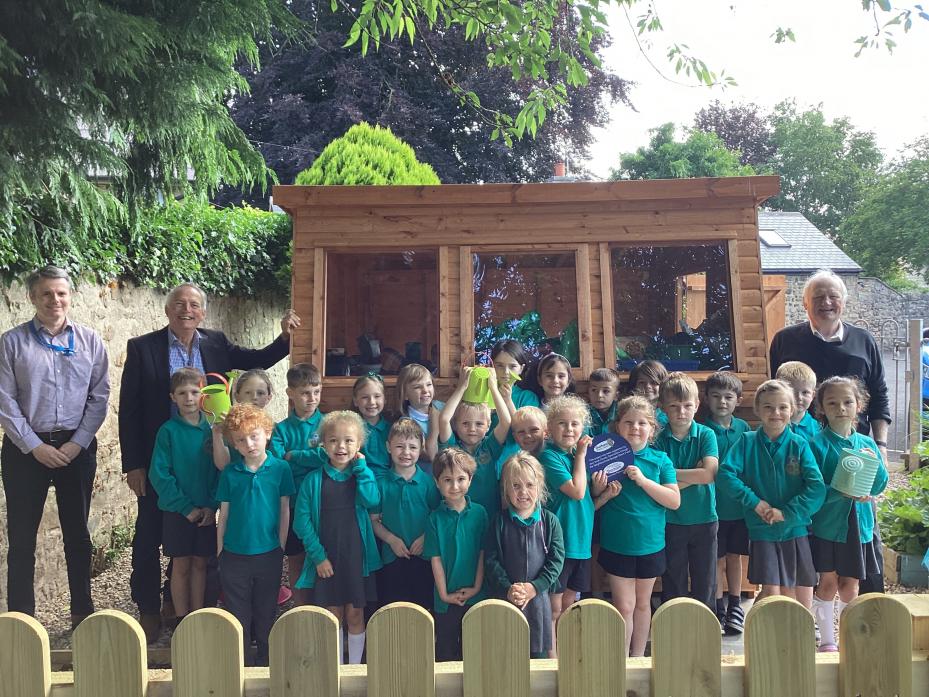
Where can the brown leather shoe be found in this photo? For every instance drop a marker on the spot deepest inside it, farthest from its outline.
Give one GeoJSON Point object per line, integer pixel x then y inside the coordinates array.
{"type": "Point", "coordinates": [151, 625]}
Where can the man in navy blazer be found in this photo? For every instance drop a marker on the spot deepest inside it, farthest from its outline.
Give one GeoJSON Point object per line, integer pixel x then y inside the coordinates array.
{"type": "Point", "coordinates": [144, 405]}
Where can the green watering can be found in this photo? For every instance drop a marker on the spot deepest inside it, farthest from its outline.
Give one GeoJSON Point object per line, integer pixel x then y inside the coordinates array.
{"type": "Point", "coordinates": [216, 400]}
{"type": "Point", "coordinates": [478, 389]}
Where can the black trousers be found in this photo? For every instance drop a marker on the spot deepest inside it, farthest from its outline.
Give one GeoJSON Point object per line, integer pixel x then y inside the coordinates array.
{"type": "Point", "coordinates": [26, 482]}
{"type": "Point", "coordinates": [448, 633]}
{"type": "Point", "coordinates": [145, 583]}
{"type": "Point", "coordinates": [690, 550]}
{"type": "Point", "coordinates": [250, 587]}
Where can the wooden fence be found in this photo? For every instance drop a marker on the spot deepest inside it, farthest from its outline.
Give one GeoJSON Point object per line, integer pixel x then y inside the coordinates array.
{"type": "Point", "coordinates": [876, 658]}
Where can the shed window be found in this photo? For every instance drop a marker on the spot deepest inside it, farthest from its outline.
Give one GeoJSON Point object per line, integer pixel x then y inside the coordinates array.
{"type": "Point", "coordinates": [673, 304]}
{"type": "Point", "coordinates": [381, 311]}
{"type": "Point", "coordinates": [530, 297]}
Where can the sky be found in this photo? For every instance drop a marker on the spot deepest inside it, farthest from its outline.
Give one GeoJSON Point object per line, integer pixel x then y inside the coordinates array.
{"type": "Point", "coordinates": [881, 92]}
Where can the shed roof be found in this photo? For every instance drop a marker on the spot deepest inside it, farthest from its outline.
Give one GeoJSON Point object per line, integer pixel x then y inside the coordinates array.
{"type": "Point", "coordinates": [806, 249]}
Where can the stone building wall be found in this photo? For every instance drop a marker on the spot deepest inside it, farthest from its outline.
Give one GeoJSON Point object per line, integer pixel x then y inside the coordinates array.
{"type": "Point", "coordinates": [118, 314]}
{"type": "Point", "coordinates": [871, 303]}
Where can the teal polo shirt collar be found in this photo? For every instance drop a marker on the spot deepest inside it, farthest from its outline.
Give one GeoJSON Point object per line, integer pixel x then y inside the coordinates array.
{"type": "Point", "coordinates": [240, 466]}
{"type": "Point", "coordinates": [844, 441]}
{"type": "Point", "coordinates": [691, 433]}
{"type": "Point", "coordinates": [417, 478]}
{"type": "Point", "coordinates": [772, 446]}
{"type": "Point", "coordinates": [337, 475]}
{"type": "Point", "coordinates": [534, 518]}
{"type": "Point", "coordinates": [382, 425]}
{"type": "Point", "coordinates": [718, 428]}
{"type": "Point", "coordinates": [445, 510]}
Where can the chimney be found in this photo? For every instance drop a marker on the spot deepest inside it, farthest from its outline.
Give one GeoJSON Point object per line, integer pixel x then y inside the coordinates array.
{"type": "Point", "coordinates": [559, 169]}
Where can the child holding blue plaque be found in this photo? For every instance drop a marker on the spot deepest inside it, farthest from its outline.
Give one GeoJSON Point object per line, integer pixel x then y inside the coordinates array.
{"type": "Point", "coordinates": [632, 520]}
{"type": "Point", "coordinates": [570, 500]}
{"type": "Point", "coordinates": [773, 475]}
{"type": "Point", "coordinates": [843, 529]}
{"type": "Point", "coordinates": [524, 550]}
{"type": "Point", "coordinates": [723, 395]}
{"type": "Point", "coordinates": [692, 528]}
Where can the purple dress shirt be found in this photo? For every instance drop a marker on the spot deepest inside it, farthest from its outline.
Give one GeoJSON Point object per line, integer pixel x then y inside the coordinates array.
{"type": "Point", "coordinates": [43, 390]}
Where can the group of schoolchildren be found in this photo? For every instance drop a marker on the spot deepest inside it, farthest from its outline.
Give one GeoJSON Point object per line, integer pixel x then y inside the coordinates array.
{"type": "Point", "coordinates": [452, 503]}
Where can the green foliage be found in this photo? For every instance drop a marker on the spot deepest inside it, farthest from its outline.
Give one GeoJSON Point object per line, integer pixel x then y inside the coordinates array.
{"type": "Point", "coordinates": [701, 155]}
{"type": "Point", "coordinates": [367, 155]}
{"type": "Point", "coordinates": [888, 234]}
{"type": "Point", "coordinates": [129, 91]}
{"type": "Point", "coordinates": [224, 250]}
{"type": "Point", "coordinates": [904, 515]}
{"type": "Point", "coordinates": [825, 168]}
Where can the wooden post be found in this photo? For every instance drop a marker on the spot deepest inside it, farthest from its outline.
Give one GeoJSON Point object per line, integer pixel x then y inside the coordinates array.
{"type": "Point", "coordinates": [206, 655]}
{"type": "Point", "coordinates": [401, 652]}
{"type": "Point", "coordinates": [780, 649]}
{"type": "Point", "coordinates": [495, 643]}
{"type": "Point", "coordinates": [914, 332]}
{"type": "Point", "coordinates": [305, 654]}
{"type": "Point", "coordinates": [686, 650]}
{"type": "Point", "coordinates": [591, 651]}
{"type": "Point", "coordinates": [110, 658]}
{"type": "Point", "coordinates": [876, 648]}
{"type": "Point", "coordinates": [918, 605]}
{"type": "Point", "coordinates": [25, 663]}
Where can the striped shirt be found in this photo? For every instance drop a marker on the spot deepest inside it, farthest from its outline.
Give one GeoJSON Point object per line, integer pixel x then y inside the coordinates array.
{"type": "Point", "coordinates": [44, 390]}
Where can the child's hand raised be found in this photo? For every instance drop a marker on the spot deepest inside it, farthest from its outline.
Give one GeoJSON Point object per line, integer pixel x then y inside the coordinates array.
{"type": "Point", "coordinates": [398, 547]}
{"type": "Point", "coordinates": [324, 569]}
{"type": "Point", "coordinates": [464, 376]}
{"type": "Point", "coordinates": [583, 443]}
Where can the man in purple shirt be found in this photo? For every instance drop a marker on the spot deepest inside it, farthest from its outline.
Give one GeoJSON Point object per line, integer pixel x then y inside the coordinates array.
{"type": "Point", "coordinates": [54, 387]}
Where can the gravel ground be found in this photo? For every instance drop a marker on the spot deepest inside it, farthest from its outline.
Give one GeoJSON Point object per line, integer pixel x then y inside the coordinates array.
{"type": "Point", "coordinates": [111, 591]}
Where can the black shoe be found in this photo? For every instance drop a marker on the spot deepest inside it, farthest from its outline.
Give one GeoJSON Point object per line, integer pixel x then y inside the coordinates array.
{"type": "Point", "coordinates": [735, 620]}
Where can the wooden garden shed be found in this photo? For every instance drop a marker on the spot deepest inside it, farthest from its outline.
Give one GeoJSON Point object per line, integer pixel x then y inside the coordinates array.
{"type": "Point", "coordinates": [605, 273]}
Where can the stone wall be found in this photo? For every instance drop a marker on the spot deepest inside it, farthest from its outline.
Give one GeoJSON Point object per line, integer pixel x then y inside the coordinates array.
{"type": "Point", "coordinates": [118, 314]}
{"type": "Point", "coordinates": [871, 303]}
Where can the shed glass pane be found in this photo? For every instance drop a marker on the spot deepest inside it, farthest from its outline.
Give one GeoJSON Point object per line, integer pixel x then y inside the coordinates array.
{"type": "Point", "coordinates": [673, 304]}
{"type": "Point", "coordinates": [530, 297]}
{"type": "Point", "coordinates": [381, 311]}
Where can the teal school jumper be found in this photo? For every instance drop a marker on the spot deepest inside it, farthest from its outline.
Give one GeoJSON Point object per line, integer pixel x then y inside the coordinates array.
{"type": "Point", "coordinates": [182, 471]}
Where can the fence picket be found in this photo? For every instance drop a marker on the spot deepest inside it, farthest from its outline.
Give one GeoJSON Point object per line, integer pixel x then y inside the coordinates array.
{"type": "Point", "coordinates": [780, 649]}
{"type": "Point", "coordinates": [25, 662]}
{"type": "Point", "coordinates": [305, 654]}
{"type": "Point", "coordinates": [495, 644]}
{"type": "Point", "coordinates": [591, 651]}
{"type": "Point", "coordinates": [401, 652]}
{"type": "Point", "coordinates": [110, 656]}
{"type": "Point", "coordinates": [206, 655]}
{"type": "Point", "coordinates": [876, 648]}
{"type": "Point", "coordinates": [686, 650]}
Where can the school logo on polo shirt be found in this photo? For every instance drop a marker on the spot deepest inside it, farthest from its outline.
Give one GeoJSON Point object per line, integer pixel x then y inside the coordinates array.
{"type": "Point", "coordinates": [793, 466]}
{"type": "Point", "coordinates": [483, 458]}
{"type": "Point", "coordinates": [313, 441]}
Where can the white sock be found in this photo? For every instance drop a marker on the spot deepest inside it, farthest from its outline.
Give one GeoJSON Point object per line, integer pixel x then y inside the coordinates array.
{"type": "Point", "coordinates": [356, 647]}
{"type": "Point", "coordinates": [340, 645]}
{"type": "Point", "coordinates": [839, 609]}
{"type": "Point", "coordinates": [824, 612]}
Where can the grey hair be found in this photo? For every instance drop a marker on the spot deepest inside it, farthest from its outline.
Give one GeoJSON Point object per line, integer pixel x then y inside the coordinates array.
{"type": "Point", "coordinates": [824, 275]}
{"type": "Point", "coordinates": [45, 272]}
{"type": "Point", "coordinates": [178, 288]}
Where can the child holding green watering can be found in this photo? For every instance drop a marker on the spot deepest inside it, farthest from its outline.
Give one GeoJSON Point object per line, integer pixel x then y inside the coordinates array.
{"type": "Point", "coordinates": [251, 387]}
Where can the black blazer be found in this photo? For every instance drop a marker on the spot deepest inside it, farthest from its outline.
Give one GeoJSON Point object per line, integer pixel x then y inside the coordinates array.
{"type": "Point", "coordinates": [144, 401]}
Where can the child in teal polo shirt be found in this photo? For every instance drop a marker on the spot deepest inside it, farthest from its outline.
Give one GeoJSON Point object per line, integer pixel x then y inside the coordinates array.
{"type": "Point", "coordinates": [254, 496]}
{"type": "Point", "coordinates": [842, 543]}
{"type": "Point", "coordinates": [723, 395]}
{"type": "Point", "coordinates": [602, 391]}
{"type": "Point", "coordinates": [466, 426]}
{"type": "Point", "coordinates": [408, 496]}
{"type": "Point", "coordinates": [773, 475]}
{"type": "Point", "coordinates": [802, 380]}
{"type": "Point", "coordinates": [184, 478]}
{"type": "Point", "coordinates": [332, 517]}
{"type": "Point", "coordinates": [454, 546]}
{"type": "Point", "coordinates": [645, 379]}
{"type": "Point", "coordinates": [632, 520]}
{"type": "Point", "coordinates": [692, 528]}
{"type": "Point", "coordinates": [368, 400]}
{"type": "Point", "coordinates": [569, 495]}
{"type": "Point", "coordinates": [293, 440]}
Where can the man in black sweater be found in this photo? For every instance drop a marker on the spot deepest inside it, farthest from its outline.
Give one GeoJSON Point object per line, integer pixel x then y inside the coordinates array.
{"type": "Point", "coordinates": [832, 347]}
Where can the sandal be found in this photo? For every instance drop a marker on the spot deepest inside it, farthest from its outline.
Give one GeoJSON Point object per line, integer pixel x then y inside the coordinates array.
{"type": "Point", "coordinates": [735, 620]}
{"type": "Point", "coordinates": [828, 648]}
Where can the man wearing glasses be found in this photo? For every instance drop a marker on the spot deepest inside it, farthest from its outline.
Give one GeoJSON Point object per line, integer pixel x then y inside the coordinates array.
{"type": "Point", "coordinates": [144, 405]}
{"type": "Point", "coordinates": [54, 388]}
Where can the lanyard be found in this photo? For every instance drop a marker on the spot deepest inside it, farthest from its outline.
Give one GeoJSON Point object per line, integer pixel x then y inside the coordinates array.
{"type": "Point", "coordinates": [66, 350]}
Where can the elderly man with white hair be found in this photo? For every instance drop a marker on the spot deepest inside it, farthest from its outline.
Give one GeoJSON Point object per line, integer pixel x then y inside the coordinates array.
{"type": "Point", "coordinates": [833, 347]}
{"type": "Point", "coordinates": [144, 405]}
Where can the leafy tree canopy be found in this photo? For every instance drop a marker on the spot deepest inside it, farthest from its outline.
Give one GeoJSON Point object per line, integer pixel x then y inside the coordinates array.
{"type": "Point", "coordinates": [700, 155]}
{"type": "Point", "coordinates": [888, 234]}
{"type": "Point", "coordinates": [368, 155]}
{"type": "Point", "coordinates": [742, 127]}
{"type": "Point", "coordinates": [825, 168]}
{"type": "Point", "coordinates": [301, 88]}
